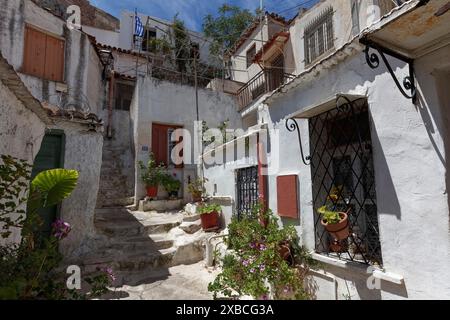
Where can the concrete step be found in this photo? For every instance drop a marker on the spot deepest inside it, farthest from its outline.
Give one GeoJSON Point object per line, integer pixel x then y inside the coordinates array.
{"type": "Point", "coordinates": [139, 244]}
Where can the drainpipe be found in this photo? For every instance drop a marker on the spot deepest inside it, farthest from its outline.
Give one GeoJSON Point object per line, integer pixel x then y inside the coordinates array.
{"type": "Point", "coordinates": [110, 104]}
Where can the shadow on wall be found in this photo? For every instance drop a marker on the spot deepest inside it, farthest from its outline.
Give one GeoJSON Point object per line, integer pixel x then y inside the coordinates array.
{"type": "Point", "coordinates": [442, 79]}
{"type": "Point", "coordinates": [387, 199]}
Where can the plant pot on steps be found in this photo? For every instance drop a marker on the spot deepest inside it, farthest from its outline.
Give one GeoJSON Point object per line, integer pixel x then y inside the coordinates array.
{"type": "Point", "coordinates": [210, 221]}
{"type": "Point", "coordinates": [152, 191]}
{"type": "Point", "coordinates": [339, 231]}
{"type": "Point", "coordinates": [197, 197]}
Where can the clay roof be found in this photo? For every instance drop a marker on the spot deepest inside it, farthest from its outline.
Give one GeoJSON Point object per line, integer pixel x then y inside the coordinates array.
{"type": "Point", "coordinates": [248, 32]}
{"type": "Point", "coordinates": [279, 37]}
{"type": "Point", "coordinates": [72, 115]}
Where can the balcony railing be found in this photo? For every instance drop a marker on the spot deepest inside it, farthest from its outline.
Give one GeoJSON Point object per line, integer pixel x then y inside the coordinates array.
{"type": "Point", "coordinates": [265, 81]}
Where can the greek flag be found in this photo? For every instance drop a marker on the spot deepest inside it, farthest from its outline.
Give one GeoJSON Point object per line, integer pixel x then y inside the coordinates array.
{"type": "Point", "coordinates": [138, 27]}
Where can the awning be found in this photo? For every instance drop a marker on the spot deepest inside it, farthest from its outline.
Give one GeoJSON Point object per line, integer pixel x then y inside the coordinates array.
{"type": "Point", "coordinates": [415, 29]}
{"type": "Point", "coordinates": [273, 47]}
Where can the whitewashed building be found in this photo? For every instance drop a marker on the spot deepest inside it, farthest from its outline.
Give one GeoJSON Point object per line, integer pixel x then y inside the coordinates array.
{"type": "Point", "coordinates": [62, 71]}
{"type": "Point", "coordinates": [366, 112]}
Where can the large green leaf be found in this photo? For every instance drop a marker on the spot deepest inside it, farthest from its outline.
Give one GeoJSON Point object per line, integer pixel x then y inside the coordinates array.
{"type": "Point", "coordinates": [54, 185]}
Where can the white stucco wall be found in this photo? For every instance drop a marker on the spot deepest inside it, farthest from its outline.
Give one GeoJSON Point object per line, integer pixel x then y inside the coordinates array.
{"type": "Point", "coordinates": [169, 103]}
{"type": "Point", "coordinates": [103, 36]}
{"type": "Point", "coordinates": [83, 152]}
{"type": "Point", "coordinates": [162, 30]}
{"type": "Point", "coordinates": [21, 133]}
{"type": "Point", "coordinates": [408, 150]}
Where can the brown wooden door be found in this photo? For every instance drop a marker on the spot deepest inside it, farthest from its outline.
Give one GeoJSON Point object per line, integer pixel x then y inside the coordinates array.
{"type": "Point", "coordinates": [160, 143]}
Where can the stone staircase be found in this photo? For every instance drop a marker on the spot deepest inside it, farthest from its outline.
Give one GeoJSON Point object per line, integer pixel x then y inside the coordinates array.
{"type": "Point", "coordinates": [116, 177]}
{"type": "Point", "coordinates": [136, 243]}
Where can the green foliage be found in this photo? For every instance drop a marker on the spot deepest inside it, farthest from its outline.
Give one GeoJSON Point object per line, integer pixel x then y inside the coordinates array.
{"type": "Point", "coordinates": [182, 44]}
{"type": "Point", "coordinates": [226, 28]}
{"type": "Point", "coordinates": [14, 177]}
{"type": "Point", "coordinates": [332, 216]}
{"type": "Point", "coordinates": [170, 183]}
{"type": "Point", "coordinates": [28, 269]}
{"type": "Point", "coordinates": [152, 174]}
{"type": "Point", "coordinates": [265, 261]}
{"type": "Point", "coordinates": [197, 187]}
{"type": "Point", "coordinates": [208, 208]}
{"type": "Point", "coordinates": [158, 45]}
{"type": "Point", "coordinates": [54, 186]}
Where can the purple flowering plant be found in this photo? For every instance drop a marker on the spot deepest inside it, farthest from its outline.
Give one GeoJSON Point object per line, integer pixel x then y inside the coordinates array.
{"type": "Point", "coordinates": [254, 261]}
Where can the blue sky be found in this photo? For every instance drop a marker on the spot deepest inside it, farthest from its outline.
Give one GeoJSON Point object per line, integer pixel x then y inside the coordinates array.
{"type": "Point", "coordinates": [193, 11]}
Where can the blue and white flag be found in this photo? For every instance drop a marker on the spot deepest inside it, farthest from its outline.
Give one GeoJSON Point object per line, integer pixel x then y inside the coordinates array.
{"type": "Point", "coordinates": [138, 27]}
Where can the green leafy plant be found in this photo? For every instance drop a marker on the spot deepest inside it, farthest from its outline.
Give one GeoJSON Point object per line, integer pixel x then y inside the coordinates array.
{"type": "Point", "coordinates": [197, 187]}
{"type": "Point", "coordinates": [29, 267]}
{"type": "Point", "coordinates": [264, 261]}
{"type": "Point", "coordinates": [209, 208]}
{"type": "Point", "coordinates": [170, 183]}
{"type": "Point", "coordinates": [152, 174]}
{"type": "Point", "coordinates": [332, 216]}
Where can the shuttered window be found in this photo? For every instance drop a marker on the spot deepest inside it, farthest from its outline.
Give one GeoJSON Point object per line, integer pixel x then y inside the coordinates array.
{"type": "Point", "coordinates": [43, 55]}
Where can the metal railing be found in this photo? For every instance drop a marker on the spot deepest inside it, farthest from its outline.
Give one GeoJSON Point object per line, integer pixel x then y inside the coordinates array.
{"type": "Point", "coordinates": [265, 81]}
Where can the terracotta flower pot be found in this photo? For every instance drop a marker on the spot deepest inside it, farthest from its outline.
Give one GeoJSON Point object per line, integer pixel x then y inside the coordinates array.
{"type": "Point", "coordinates": [210, 221]}
{"type": "Point", "coordinates": [337, 246]}
{"type": "Point", "coordinates": [152, 191]}
{"type": "Point", "coordinates": [285, 251]}
{"type": "Point", "coordinates": [340, 230]}
{"type": "Point", "coordinates": [197, 197]}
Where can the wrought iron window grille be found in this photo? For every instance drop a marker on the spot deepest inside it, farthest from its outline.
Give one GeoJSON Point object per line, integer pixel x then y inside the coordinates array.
{"type": "Point", "coordinates": [247, 189]}
{"type": "Point", "coordinates": [341, 157]}
{"type": "Point", "coordinates": [373, 61]}
{"type": "Point", "coordinates": [319, 36]}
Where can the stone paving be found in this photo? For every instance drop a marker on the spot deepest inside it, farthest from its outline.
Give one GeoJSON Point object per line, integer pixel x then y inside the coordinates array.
{"type": "Point", "coordinates": [182, 282]}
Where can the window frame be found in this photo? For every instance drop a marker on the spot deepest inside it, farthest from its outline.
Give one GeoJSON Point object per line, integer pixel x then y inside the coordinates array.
{"type": "Point", "coordinates": [250, 55]}
{"type": "Point", "coordinates": [322, 24]}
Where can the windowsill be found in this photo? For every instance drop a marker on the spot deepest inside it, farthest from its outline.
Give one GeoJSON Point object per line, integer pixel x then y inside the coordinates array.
{"type": "Point", "coordinates": [319, 58]}
{"type": "Point", "coordinates": [356, 267]}
{"type": "Point", "coordinates": [41, 78]}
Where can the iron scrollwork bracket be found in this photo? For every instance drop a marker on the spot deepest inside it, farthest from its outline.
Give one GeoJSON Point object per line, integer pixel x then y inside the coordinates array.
{"type": "Point", "coordinates": [291, 126]}
{"type": "Point", "coordinates": [373, 61]}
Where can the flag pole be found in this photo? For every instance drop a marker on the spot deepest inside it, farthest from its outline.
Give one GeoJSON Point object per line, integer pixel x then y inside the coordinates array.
{"type": "Point", "coordinates": [136, 39]}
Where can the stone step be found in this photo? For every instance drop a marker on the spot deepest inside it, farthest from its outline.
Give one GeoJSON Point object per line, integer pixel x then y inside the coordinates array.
{"type": "Point", "coordinates": [139, 244]}
{"type": "Point", "coordinates": [105, 200]}
{"type": "Point", "coordinates": [135, 228]}
{"type": "Point", "coordinates": [136, 261]}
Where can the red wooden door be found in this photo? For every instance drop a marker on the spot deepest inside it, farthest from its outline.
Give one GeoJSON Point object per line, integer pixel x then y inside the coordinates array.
{"type": "Point", "coordinates": [160, 143]}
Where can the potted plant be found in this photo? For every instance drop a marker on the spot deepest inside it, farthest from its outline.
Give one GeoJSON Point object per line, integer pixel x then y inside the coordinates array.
{"type": "Point", "coordinates": [152, 175]}
{"type": "Point", "coordinates": [209, 215]}
{"type": "Point", "coordinates": [197, 189]}
{"type": "Point", "coordinates": [172, 186]}
{"type": "Point", "coordinates": [335, 221]}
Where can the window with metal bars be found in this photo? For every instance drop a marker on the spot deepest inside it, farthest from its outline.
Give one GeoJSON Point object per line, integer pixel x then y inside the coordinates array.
{"type": "Point", "coordinates": [341, 159]}
{"type": "Point", "coordinates": [246, 190]}
{"type": "Point", "coordinates": [319, 36]}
